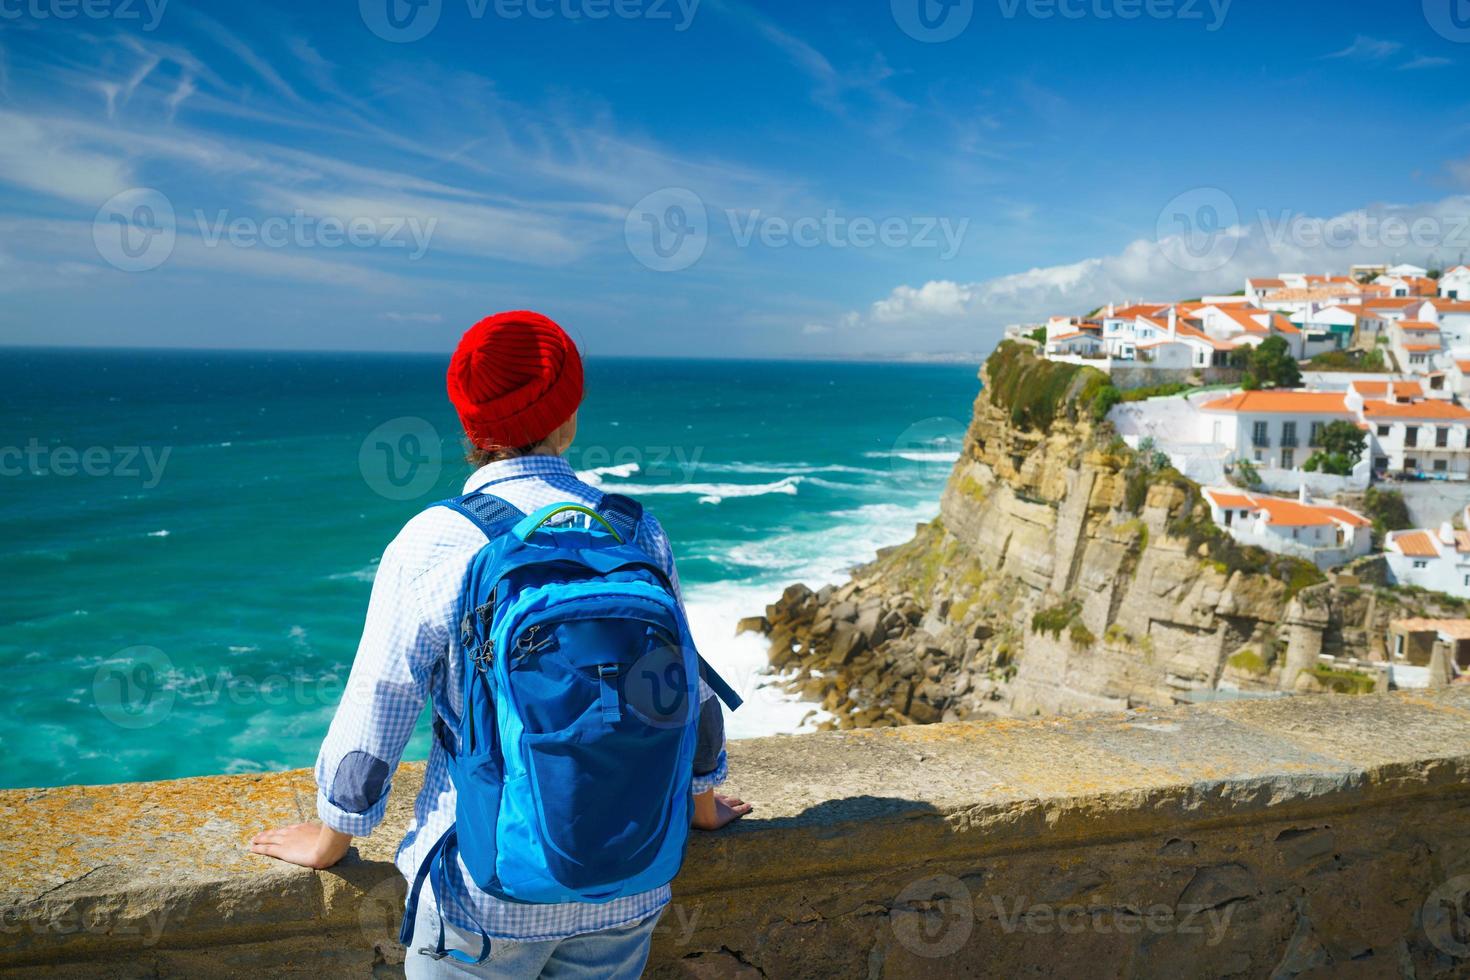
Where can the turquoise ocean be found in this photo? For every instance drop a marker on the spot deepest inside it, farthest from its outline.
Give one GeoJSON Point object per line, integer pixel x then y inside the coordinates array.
{"type": "Point", "coordinates": [189, 538]}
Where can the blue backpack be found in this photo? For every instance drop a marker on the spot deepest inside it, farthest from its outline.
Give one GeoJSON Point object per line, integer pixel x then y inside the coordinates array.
{"type": "Point", "coordinates": [573, 756]}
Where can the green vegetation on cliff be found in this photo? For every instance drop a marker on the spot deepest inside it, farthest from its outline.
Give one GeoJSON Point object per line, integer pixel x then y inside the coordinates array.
{"type": "Point", "coordinates": [1036, 391]}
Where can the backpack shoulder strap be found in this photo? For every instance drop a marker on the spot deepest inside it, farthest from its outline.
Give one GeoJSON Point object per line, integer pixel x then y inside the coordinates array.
{"type": "Point", "coordinates": [624, 513]}
{"type": "Point", "coordinates": [492, 515]}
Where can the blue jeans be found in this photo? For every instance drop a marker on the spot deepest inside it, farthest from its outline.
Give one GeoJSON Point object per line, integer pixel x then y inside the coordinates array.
{"type": "Point", "coordinates": [612, 954]}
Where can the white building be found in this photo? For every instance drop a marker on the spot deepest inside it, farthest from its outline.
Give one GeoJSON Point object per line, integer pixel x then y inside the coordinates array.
{"type": "Point", "coordinates": [1274, 429]}
{"type": "Point", "coordinates": [1455, 284]}
{"type": "Point", "coordinates": [1324, 534]}
{"type": "Point", "coordinates": [1419, 437]}
{"type": "Point", "coordinates": [1416, 344]}
{"type": "Point", "coordinates": [1435, 560]}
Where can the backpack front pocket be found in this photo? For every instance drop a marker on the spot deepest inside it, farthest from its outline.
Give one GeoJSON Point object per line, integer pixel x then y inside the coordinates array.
{"type": "Point", "coordinates": [602, 797]}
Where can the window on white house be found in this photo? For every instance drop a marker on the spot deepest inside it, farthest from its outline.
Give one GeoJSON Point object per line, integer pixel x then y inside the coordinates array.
{"type": "Point", "coordinates": [1421, 564]}
{"type": "Point", "coordinates": [1383, 430]}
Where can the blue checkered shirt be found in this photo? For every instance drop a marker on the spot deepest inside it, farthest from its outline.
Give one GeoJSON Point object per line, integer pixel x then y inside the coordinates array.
{"type": "Point", "coordinates": [404, 659]}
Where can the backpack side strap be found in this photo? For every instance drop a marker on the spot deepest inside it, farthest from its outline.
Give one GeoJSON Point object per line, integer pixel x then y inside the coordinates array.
{"type": "Point", "coordinates": [486, 511]}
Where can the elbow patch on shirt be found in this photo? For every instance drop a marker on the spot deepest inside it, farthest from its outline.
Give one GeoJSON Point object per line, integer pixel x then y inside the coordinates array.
{"type": "Point", "coordinates": [359, 782]}
{"type": "Point", "coordinates": [711, 740]}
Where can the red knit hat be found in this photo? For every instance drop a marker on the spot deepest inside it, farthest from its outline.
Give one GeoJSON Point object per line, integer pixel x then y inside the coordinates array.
{"type": "Point", "coordinates": [514, 379]}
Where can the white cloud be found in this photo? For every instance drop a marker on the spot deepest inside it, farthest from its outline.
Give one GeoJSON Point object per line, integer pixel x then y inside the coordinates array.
{"type": "Point", "coordinates": [58, 163]}
{"type": "Point", "coordinates": [1145, 269]}
{"type": "Point", "coordinates": [1425, 61]}
{"type": "Point", "coordinates": [939, 298]}
{"type": "Point", "coordinates": [1368, 49]}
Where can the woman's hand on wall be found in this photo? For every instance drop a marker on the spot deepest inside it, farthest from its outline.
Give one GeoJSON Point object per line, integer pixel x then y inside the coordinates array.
{"type": "Point", "coordinates": [311, 845]}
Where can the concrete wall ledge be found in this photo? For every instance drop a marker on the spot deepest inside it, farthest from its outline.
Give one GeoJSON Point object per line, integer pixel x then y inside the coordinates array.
{"type": "Point", "coordinates": [1311, 836]}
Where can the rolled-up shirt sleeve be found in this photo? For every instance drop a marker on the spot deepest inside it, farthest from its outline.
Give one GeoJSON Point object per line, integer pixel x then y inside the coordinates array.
{"type": "Point", "coordinates": [385, 694]}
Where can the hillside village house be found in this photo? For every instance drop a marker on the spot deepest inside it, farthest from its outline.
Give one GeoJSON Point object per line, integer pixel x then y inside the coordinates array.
{"type": "Point", "coordinates": [1438, 560]}
{"type": "Point", "coordinates": [1413, 642]}
{"type": "Point", "coordinates": [1418, 437]}
{"type": "Point", "coordinates": [1274, 429]}
{"type": "Point", "coordinates": [1324, 534]}
{"type": "Point", "coordinates": [1455, 284]}
{"type": "Point", "coordinates": [1416, 344]}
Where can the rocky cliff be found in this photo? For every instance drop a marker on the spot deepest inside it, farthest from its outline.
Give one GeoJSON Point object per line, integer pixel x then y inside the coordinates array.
{"type": "Point", "coordinates": [1065, 573]}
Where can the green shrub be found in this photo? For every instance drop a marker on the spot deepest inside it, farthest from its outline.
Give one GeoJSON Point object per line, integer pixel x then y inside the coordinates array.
{"type": "Point", "coordinates": [1056, 618]}
{"type": "Point", "coordinates": [1342, 681]}
{"type": "Point", "coordinates": [1249, 661]}
{"type": "Point", "coordinates": [1080, 635]}
{"type": "Point", "coordinates": [1387, 509]}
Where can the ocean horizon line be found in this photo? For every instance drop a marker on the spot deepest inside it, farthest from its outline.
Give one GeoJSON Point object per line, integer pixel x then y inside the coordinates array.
{"type": "Point", "coordinates": [910, 359]}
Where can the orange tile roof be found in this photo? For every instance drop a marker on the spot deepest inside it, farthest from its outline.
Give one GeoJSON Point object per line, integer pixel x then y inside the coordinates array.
{"type": "Point", "coordinates": [1285, 512]}
{"type": "Point", "coordinates": [1420, 348]}
{"type": "Point", "coordinates": [1239, 501]}
{"type": "Point", "coordinates": [1464, 366]}
{"type": "Point", "coordinates": [1305, 402]}
{"type": "Point", "coordinates": [1415, 544]}
{"type": "Point", "coordinates": [1417, 325]}
{"type": "Point", "coordinates": [1140, 309]}
{"type": "Point", "coordinates": [1379, 389]}
{"type": "Point", "coordinates": [1274, 283]}
{"type": "Point", "coordinates": [1432, 410]}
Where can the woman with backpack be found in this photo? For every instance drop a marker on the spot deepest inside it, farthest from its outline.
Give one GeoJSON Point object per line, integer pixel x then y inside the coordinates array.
{"type": "Point", "coordinates": [578, 733]}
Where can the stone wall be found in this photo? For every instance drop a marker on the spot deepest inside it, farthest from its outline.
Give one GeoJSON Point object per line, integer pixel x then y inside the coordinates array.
{"type": "Point", "coordinates": [1299, 837]}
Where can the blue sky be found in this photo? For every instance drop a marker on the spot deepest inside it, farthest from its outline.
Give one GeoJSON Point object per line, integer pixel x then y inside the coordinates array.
{"type": "Point", "coordinates": [821, 180]}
